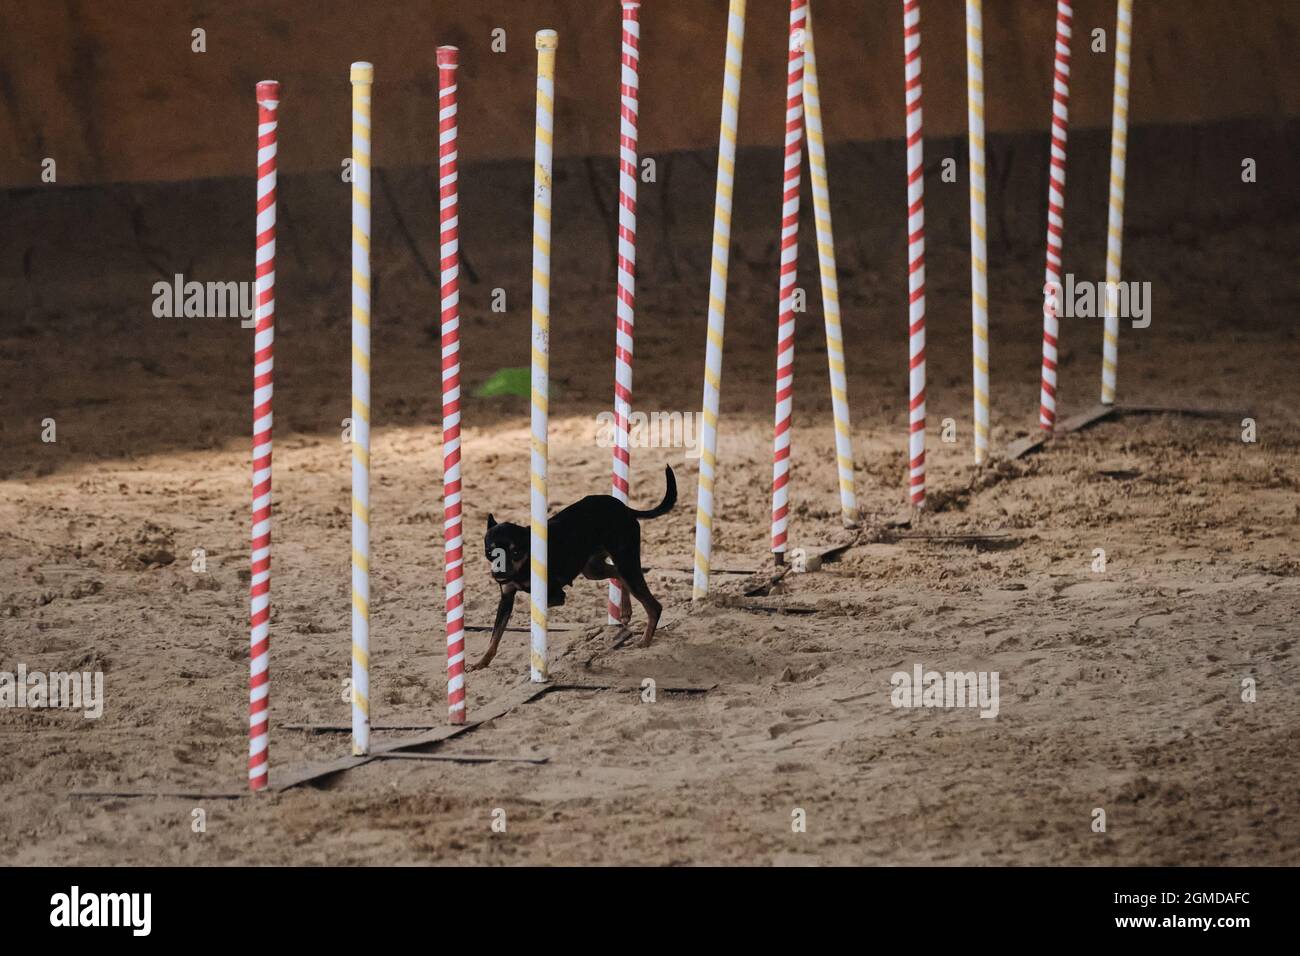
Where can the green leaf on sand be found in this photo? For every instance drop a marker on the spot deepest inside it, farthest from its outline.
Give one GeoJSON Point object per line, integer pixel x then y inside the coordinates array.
{"type": "Point", "coordinates": [508, 381]}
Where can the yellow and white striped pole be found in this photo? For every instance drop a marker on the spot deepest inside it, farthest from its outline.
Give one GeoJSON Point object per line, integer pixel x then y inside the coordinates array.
{"type": "Point", "coordinates": [547, 41]}
{"type": "Point", "coordinates": [979, 280]}
{"type": "Point", "coordinates": [363, 75]}
{"type": "Point", "coordinates": [718, 296]}
{"type": "Point", "coordinates": [1115, 219]}
{"type": "Point", "coordinates": [821, 194]}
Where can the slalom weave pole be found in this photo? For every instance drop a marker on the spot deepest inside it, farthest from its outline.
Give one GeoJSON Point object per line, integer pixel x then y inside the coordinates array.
{"type": "Point", "coordinates": [788, 277]}
{"type": "Point", "coordinates": [718, 297]}
{"type": "Point", "coordinates": [629, 87]}
{"type": "Point", "coordinates": [363, 75]}
{"type": "Point", "coordinates": [1055, 212]}
{"type": "Point", "coordinates": [453, 542]}
{"type": "Point", "coordinates": [821, 194]}
{"type": "Point", "coordinates": [547, 40]}
{"type": "Point", "coordinates": [1115, 218]}
{"type": "Point", "coordinates": [259, 657]}
{"type": "Point", "coordinates": [979, 279]}
{"type": "Point", "coordinates": [915, 253]}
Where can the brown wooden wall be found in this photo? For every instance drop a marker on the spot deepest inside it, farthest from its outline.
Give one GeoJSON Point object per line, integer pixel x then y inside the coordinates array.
{"type": "Point", "coordinates": [112, 91]}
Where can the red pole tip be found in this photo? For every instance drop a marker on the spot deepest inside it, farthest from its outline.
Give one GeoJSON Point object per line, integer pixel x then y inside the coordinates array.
{"type": "Point", "coordinates": [448, 57]}
{"type": "Point", "coordinates": [268, 90]}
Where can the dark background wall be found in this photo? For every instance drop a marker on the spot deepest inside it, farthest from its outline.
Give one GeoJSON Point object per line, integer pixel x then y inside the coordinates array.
{"type": "Point", "coordinates": [113, 92]}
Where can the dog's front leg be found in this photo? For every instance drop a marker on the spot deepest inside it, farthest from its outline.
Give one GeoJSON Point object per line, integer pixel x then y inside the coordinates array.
{"type": "Point", "coordinates": [504, 608]}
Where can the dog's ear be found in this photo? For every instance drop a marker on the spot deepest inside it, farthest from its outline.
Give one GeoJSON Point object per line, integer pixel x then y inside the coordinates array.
{"type": "Point", "coordinates": [492, 522]}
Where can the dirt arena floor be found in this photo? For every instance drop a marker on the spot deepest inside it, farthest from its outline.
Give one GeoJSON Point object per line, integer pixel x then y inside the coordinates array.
{"type": "Point", "coordinates": [1119, 690]}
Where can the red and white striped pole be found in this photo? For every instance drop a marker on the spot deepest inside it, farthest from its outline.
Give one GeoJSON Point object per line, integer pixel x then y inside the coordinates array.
{"type": "Point", "coordinates": [268, 104]}
{"type": "Point", "coordinates": [449, 245]}
{"type": "Point", "coordinates": [915, 253]}
{"type": "Point", "coordinates": [1055, 211]}
{"type": "Point", "coordinates": [789, 273]}
{"type": "Point", "coordinates": [629, 89]}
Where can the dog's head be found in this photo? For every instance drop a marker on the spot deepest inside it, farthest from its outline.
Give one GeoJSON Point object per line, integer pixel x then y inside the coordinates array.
{"type": "Point", "coordinates": [506, 546]}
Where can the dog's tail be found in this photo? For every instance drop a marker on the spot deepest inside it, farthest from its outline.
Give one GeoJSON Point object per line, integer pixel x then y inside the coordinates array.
{"type": "Point", "coordinates": [670, 498]}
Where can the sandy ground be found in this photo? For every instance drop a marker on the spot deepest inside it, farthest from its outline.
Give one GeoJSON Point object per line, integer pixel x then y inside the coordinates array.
{"type": "Point", "coordinates": [1119, 690]}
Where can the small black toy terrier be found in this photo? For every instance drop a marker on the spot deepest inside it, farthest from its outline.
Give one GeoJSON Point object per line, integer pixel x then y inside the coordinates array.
{"type": "Point", "coordinates": [579, 540]}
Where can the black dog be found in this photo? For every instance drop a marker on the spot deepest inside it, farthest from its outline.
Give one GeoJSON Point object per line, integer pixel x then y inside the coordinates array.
{"type": "Point", "coordinates": [579, 539]}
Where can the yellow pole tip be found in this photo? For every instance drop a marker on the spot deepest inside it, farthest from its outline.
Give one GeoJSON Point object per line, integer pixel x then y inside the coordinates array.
{"type": "Point", "coordinates": [363, 72]}
{"type": "Point", "coordinates": [547, 39]}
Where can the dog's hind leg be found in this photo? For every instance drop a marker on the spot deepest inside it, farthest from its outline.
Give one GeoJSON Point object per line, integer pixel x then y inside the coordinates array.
{"type": "Point", "coordinates": [629, 567]}
{"type": "Point", "coordinates": [598, 569]}
{"type": "Point", "coordinates": [625, 612]}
